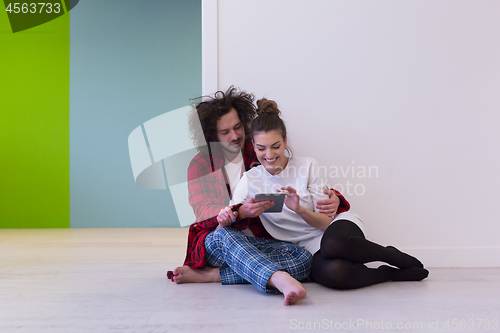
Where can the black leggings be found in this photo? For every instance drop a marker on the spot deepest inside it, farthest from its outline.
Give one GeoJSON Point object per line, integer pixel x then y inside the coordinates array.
{"type": "Point", "coordinates": [344, 249]}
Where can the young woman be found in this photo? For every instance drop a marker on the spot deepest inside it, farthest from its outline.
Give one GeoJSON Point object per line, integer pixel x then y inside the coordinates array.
{"type": "Point", "coordinates": [338, 244]}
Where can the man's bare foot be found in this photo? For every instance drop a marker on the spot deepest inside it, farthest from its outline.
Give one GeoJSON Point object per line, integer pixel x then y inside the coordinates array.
{"type": "Point", "coordinates": [292, 289]}
{"type": "Point", "coordinates": [186, 274]}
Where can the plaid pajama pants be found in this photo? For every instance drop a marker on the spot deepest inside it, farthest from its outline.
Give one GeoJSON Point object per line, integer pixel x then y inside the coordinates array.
{"type": "Point", "coordinates": [243, 259]}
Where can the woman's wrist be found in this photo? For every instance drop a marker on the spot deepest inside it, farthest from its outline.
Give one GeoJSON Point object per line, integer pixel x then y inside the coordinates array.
{"type": "Point", "coordinates": [301, 210]}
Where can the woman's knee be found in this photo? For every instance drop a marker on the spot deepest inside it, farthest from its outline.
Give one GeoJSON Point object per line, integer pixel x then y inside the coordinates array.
{"type": "Point", "coordinates": [344, 228]}
{"type": "Point", "coordinates": [333, 247]}
{"type": "Point", "coordinates": [336, 274]}
{"type": "Point", "coordinates": [339, 239]}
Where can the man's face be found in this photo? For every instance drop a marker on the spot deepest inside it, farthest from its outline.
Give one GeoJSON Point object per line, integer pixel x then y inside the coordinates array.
{"type": "Point", "coordinates": [230, 132]}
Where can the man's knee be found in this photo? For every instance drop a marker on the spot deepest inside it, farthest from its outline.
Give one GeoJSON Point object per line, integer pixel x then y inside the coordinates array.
{"type": "Point", "coordinates": [212, 243]}
{"type": "Point", "coordinates": [214, 249]}
{"type": "Point", "coordinates": [224, 237]}
{"type": "Point", "coordinates": [226, 233]}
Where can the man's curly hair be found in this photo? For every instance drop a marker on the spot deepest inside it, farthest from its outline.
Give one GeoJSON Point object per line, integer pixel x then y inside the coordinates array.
{"type": "Point", "coordinates": [214, 108]}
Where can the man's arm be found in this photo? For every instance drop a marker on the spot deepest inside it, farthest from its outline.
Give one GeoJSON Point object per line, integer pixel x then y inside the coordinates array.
{"type": "Point", "coordinates": [206, 192]}
{"type": "Point", "coordinates": [208, 196]}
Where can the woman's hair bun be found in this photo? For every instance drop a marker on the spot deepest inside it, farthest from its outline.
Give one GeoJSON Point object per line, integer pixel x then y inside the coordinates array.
{"type": "Point", "coordinates": [267, 106]}
{"type": "Point", "coordinates": [268, 119]}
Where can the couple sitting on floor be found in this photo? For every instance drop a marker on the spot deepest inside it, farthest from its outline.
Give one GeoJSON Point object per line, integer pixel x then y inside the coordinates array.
{"type": "Point", "coordinates": [236, 241]}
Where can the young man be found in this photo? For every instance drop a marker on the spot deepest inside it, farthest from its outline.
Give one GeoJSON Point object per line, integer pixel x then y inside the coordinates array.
{"type": "Point", "coordinates": [222, 246]}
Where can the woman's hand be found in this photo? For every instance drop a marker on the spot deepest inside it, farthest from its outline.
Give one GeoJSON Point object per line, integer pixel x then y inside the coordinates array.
{"type": "Point", "coordinates": [315, 220]}
{"type": "Point", "coordinates": [292, 199]}
{"type": "Point", "coordinates": [329, 206]}
{"type": "Point", "coordinates": [253, 209]}
{"type": "Point", "coordinates": [226, 217]}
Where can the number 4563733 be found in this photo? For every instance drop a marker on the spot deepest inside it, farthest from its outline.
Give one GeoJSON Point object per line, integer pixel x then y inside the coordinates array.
{"type": "Point", "coordinates": [34, 8]}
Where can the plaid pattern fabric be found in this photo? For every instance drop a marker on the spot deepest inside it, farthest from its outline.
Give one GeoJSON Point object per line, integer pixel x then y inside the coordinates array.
{"type": "Point", "coordinates": [209, 192]}
{"type": "Point", "coordinates": [243, 259]}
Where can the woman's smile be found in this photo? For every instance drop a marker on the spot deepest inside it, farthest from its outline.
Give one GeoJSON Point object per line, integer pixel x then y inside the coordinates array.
{"type": "Point", "coordinates": [270, 160]}
{"type": "Point", "coordinates": [270, 150]}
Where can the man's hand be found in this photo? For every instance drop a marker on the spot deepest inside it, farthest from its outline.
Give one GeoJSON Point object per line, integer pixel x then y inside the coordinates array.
{"type": "Point", "coordinates": [253, 209]}
{"type": "Point", "coordinates": [226, 217]}
{"type": "Point", "coordinates": [329, 206]}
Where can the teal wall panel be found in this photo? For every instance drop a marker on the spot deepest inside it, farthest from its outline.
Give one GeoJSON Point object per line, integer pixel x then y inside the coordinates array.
{"type": "Point", "coordinates": [131, 60]}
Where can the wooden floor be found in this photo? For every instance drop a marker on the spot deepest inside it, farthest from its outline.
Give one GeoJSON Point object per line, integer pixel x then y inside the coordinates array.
{"type": "Point", "coordinates": [113, 280]}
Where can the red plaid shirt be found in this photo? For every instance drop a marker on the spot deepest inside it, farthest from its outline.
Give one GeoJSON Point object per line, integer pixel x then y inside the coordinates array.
{"type": "Point", "coordinates": [208, 195]}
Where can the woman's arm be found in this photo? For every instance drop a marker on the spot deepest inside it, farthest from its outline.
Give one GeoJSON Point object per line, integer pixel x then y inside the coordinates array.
{"type": "Point", "coordinates": [315, 220]}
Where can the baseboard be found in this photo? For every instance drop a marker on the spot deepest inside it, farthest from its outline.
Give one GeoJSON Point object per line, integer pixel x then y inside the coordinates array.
{"type": "Point", "coordinates": [456, 257]}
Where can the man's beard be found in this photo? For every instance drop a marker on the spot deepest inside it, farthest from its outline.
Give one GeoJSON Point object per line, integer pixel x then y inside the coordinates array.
{"type": "Point", "coordinates": [232, 147]}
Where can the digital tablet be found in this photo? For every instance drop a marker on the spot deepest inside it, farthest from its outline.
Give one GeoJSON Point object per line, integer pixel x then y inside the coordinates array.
{"type": "Point", "coordinates": [278, 198]}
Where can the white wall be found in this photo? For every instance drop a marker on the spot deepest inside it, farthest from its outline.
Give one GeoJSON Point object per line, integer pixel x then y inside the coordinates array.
{"type": "Point", "coordinates": [410, 87]}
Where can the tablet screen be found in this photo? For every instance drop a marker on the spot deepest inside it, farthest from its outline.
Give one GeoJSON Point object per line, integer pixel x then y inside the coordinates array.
{"type": "Point", "coordinates": [278, 198]}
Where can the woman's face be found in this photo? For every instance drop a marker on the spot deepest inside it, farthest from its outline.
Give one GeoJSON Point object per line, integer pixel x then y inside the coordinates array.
{"type": "Point", "coordinates": [270, 150]}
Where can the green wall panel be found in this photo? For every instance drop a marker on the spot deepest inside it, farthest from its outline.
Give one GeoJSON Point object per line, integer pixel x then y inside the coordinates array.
{"type": "Point", "coordinates": [34, 125]}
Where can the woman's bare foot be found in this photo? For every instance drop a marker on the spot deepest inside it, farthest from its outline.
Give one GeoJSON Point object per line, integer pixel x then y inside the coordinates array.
{"type": "Point", "coordinates": [292, 289]}
{"type": "Point", "coordinates": [186, 274]}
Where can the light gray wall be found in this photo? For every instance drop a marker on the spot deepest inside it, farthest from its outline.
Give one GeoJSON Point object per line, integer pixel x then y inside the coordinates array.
{"type": "Point", "coordinates": [131, 60]}
{"type": "Point", "coordinates": [409, 87]}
